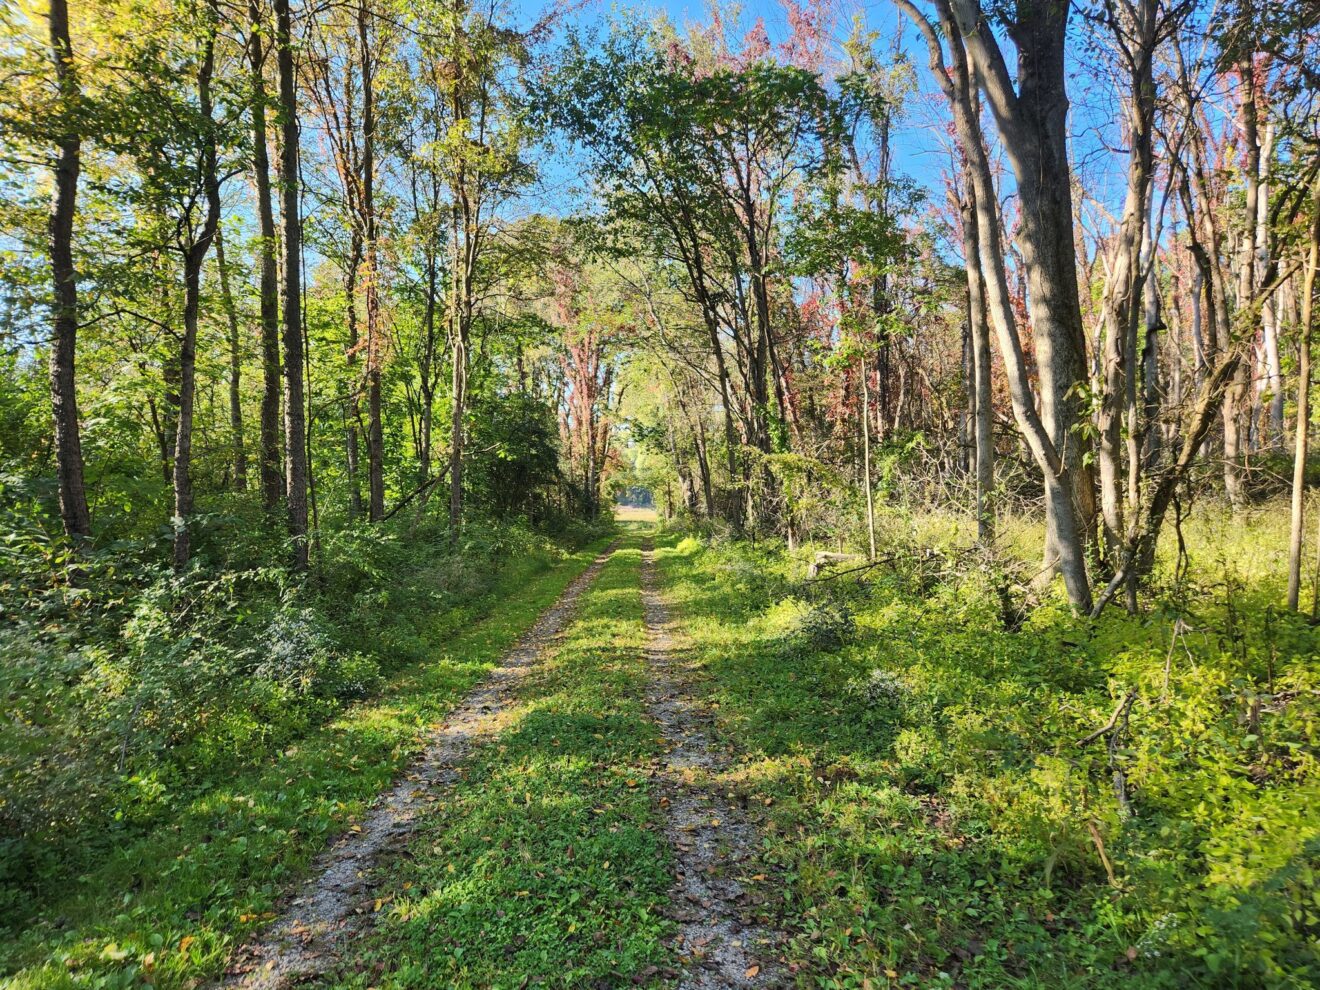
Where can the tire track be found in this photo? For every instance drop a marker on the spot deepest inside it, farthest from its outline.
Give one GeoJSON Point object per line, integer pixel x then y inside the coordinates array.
{"type": "Point", "coordinates": [333, 906]}
{"type": "Point", "coordinates": [717, 943]}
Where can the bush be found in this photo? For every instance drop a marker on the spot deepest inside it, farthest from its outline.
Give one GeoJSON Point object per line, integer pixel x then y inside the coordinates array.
{"type": "Point", "coordinates": [129, 689]}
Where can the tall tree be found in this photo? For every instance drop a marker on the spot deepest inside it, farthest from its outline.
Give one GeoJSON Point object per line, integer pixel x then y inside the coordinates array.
{"type": "Point", "coordinates": [272, 482]}
{"type": "Point", "coordinates": [64, 310]}
{"type": "Point", "coordinates": [197, 235]}
{"type": "Point", "coordinates": [371, 268]}
{"type": "Point", "coordinates": [235, 366]}
{"type": "Point", "coordinates": [295, 416]}
{"type": "Point", "coordinates": [1032, 120]}
{"type": "Point", "coordinates": [1305, 330]}
{"type": "Point", "coordinates": [1065, 518]}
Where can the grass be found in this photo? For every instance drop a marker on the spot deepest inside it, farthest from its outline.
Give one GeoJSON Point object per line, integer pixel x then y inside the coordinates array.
{"type": "Point", "coordinates": [543, 866]}
{"type": "Point", "coordinates": [930, 815]}
{"type": "Point", "coordinates": [934, 821]}
{"type": "Point", "coordinates": [166, 907]}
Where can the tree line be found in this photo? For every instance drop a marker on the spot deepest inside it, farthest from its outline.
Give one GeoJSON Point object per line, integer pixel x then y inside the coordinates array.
{"type": "Point", "coordinates": [1019, 330]}
{"type": "Point", "coordinates": [280, 252]}
{"type": "Point", "coordinates": [289, 253]}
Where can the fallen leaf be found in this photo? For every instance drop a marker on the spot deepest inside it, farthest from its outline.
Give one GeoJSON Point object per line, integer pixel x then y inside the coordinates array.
{"type": "Point", "coordinates": [752, 971]}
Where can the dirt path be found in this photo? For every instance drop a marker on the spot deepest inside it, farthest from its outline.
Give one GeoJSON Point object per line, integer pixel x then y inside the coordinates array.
{"type": "Point", "coordinates": [334, 905]}
{"type": "Point", "coordinates": [712, 839]}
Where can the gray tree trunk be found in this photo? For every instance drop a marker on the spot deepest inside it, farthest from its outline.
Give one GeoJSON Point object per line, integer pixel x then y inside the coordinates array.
{"type": "Point", "coordinates": [64, 323]}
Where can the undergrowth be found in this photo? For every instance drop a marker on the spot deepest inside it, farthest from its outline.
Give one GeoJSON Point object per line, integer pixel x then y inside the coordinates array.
{"type": "Point", "coordinates": [176, 748]}
{"type": "Point", "coordinates": [938, 818]}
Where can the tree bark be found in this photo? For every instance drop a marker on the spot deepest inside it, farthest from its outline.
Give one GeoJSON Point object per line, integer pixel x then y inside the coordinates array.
{"type": "Point", "coordinates": [979, 331]}
{"type": "Point", "coordinates": [74, 513]}
{"type": "Point", "coordinates": [295, 422]}
{"type": "Point", "coordinates": [1303, 407]}
{"type": "Point", "coordinates": [272, 484]}
{"type": "Point", "coordinates": [235, 368]}
{"type": "Point", "coordinates": [1235, 398]}
{"type": "Point", "coordinates": [1032, 121]}
{"type": "Point", "coordinates": [1065, 529]}
{"type": "Point", "coordinates": [194, 256]}
{"type": "Point", "coordinates": [375, 434]}
{"type": "Point", "coordinates": [865, 373]}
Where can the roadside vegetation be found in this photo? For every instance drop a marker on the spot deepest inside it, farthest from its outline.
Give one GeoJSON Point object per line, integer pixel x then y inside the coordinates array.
{"type": "Point", "coordinates": [249, 778]}
{"type": "Point", "coordinates": [960, 351]}
{"type": "Point", "coordinates": [937, 800]}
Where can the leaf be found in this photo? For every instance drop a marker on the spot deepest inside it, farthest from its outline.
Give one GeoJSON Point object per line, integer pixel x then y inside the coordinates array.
{"type": "Point", "coordinates": [752, 970]}
{"type": "Point", "coordinates": [186, 941]}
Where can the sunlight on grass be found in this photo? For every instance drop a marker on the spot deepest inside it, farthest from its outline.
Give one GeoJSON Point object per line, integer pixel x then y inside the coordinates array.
{"type": "Point", "coordinates": [543, 866]}
{"type": "Point", "coordinates": [928, 806]}
{"type": "Point", "coordinates": [168, 907]}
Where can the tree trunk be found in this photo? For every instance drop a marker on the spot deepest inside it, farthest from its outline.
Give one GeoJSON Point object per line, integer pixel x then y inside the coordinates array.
{"type": "Point", "coordinates": [1033, 123]}
{"type": "Point", "coordinates": [64, 329]}
{"type": "Point", "coordinates": [865, 373]}
{"type": "Point", "coordinates": [979, 331]}
{"type": "Point", "coordinates": [375, 434]}
{"type": "Point", "coordinates": [1303, 407]}
{"type": "Point", "coordinates": [235, 368]}
{"type": "Point", "coordinates": [353, 416]}
{"type": "Point", "coordinates": [194, 256]}
{"type": "Point", "coordinates": [1236, 397]}
{"type": "Point", "coordinates": [1120, 428]}
{"type": "Point", "coordinates": [295, 423]}
{"type": "Point", "coordinates": [272, 484]}
{"type": "Point", "coordinates": [1065, 519]}
{"type": "Point", "coordinates": [457, 409]}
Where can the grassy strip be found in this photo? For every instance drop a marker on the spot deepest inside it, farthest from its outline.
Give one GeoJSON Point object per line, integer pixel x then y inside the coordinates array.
{"type": "Point", "coordinates": [167, 907]}
{"type": "Point", "coordinates": [543, 867]}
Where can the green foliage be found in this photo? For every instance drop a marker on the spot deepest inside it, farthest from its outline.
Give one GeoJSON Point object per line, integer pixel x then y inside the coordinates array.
{"type": "Point", "coordinates": [119, 700]}
{"type": "Point", "coordinates": [514, 469]}
{"type": "Point", "coordinates": [938, 820]}
{"type": "Point", "coordinates": [542, 864]}
{"type": "Point", "coordinates": [204, 842]}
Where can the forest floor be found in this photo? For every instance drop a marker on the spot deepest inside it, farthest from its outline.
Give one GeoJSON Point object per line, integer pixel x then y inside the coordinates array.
{"type": "Point", "coordinates": [673, 763]}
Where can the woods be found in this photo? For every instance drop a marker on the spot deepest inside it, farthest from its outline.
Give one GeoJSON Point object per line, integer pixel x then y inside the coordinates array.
{"type": "Point", "coordinates": [334, 333]}
{"type": "Point", "coordinates": [750, 187]}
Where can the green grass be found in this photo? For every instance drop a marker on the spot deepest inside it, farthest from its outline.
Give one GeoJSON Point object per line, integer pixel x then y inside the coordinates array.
{"type": "Point", "coordinates": [166, 907]}
{"type": "Point", "coordinates": [543, 866]}
{"type": "Point", "coordinates": [934, 821]}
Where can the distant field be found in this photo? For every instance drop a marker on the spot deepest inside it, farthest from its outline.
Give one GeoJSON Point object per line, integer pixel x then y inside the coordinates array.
{"type": "Point", "coordinates": [633, 513]}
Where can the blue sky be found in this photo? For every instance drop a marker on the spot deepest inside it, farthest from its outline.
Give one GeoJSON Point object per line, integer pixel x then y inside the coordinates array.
{"type": "Point", "coordinates": [920, 140]}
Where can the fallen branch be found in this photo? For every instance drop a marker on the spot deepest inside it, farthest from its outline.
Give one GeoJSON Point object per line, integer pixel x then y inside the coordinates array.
{"type": "Point", "coordinates": [1115, 727]}
{"type": "Point", "coordinates": [426, 485]}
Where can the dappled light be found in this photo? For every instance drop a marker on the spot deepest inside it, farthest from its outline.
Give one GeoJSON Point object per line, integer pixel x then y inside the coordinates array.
{"type": "Point", "coordinates": [762, 495]}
